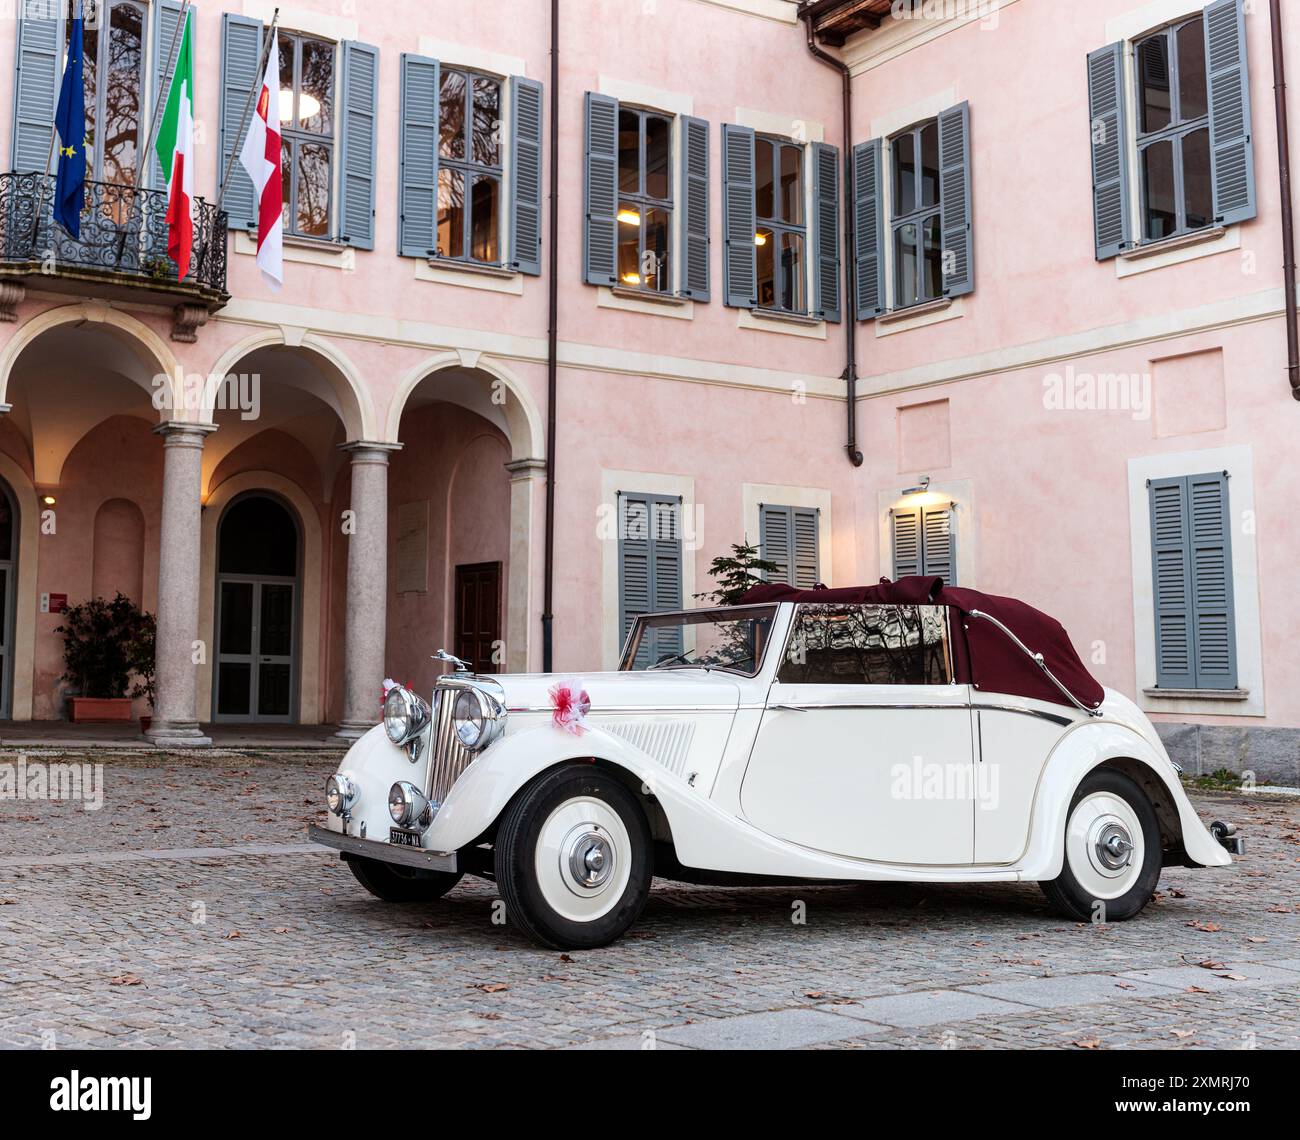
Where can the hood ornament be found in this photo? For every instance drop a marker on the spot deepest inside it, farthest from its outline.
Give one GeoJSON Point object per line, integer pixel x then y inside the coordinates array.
{"type": "Point", "coordinates": [455, 662]}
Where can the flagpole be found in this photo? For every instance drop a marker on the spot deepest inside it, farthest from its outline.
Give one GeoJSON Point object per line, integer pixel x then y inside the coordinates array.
{"type": "Point", "coordinates": [158, 103]}
{"type": "Point", "coordinates": [248, 107]}
{"type": "Point", "coordinates": [49, 158]}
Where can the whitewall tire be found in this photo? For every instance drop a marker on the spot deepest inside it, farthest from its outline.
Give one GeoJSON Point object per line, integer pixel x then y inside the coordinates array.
{"type": "Point", "coordinates": [1112, 851]}
{"type": "Point", "coordinates": [574, 858]}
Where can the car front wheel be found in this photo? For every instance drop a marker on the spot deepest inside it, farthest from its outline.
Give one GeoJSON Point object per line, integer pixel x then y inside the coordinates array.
{"type": "Point", "coordinates": [1112, 851]}
{"type": "Point", "coordinates": [396, 884]}
{"type": "Point", "coordinates": [574, 858]}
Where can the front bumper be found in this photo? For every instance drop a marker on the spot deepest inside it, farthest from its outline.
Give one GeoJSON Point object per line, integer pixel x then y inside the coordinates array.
{"type": "Point", "coordinates": [350, 845]}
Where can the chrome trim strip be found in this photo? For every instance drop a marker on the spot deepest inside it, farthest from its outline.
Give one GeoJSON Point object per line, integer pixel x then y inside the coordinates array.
{"type": "Point", "coordinates": [384, 852]}
{"type": "Point", "coordinates": [629, 710]}
{"type": "Point", "coordinates": [1037, 659]}
{"type": "Point", "coordinates": [855, 706]}
{"type": "Point", "coordinates": [1063, 721]}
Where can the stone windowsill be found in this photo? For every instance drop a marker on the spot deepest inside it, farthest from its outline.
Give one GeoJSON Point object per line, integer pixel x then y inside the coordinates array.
{"type": "Point", "coordinates": [630, 293]}
{"type": "Point", "coordinates": [937, 306]}
{"type": "Point", "coordinates": [802, 319]}
{"type": "Point", "coordinates": [1173, 244]}
{"type": "Point", "coordinates": [498, 271]}
{"type": "Point", "coordinates": [1198, 694]}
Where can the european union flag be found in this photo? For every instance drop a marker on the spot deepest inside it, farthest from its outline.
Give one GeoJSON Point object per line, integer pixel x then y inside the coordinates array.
{"type": "Point", "coordinates": [70, 122]}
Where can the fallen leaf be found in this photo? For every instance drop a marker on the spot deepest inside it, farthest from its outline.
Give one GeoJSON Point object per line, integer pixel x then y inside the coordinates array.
{"type": "Point", "coordinates": [1175, 893]}
{"type": "Point", "coordinates": [1232, 977]}
{"type": "Point", "coordinates": [491, 987]}
{"type": "Point", "coordinates": [280, 930]}
{"type": "Point", "coordinates": [1256, 939]}
{"type": "Point", "coordinates": [816, 995]}
{"type": "Point", "coordinates": [1209, 965]}
{"type": "Point", "coordinates": [1182, 1032]}
{"type": "Point", "coordinates": [1093, 1044]}
{"type": "Point", "coordinates": [233, 934]}
{"type": "Point", "coordinates": [1125, 985]}
{"type": "Point", "coordinates": [126, 980]}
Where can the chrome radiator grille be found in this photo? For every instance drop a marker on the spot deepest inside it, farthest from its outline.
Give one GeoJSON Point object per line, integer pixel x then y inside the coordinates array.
{"type": "Point", "coordinates": [449, 756]}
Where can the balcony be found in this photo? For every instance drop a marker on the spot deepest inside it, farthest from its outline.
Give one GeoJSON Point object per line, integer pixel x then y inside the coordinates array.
{"type": "Point", "coordinates": [122, 254]}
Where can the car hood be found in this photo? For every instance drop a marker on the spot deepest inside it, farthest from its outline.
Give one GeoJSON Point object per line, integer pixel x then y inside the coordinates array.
{"type": "Point", "coordinates": [662, 689]}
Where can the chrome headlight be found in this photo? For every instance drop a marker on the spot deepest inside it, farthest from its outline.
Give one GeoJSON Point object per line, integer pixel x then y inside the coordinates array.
{"type": "Point", "coordinates": [478, 718]}
{"type": "Point", "coordinates": [406, 715]}
{"type": "Point", "coordinates": [341, 793]}
{"type": "Point", "coordinates": [408, 807]}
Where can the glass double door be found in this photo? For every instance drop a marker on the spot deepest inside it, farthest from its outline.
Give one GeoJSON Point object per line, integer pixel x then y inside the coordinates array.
{"type": "Point", "coordinates": [255, 649]}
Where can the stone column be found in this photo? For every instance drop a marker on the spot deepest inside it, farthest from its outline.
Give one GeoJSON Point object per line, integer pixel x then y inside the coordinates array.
{"type": "Point", "coordinates": [523, 622]}
{"type": "Point", "coordinates": [175, 717]}
{"type": "Point", "coordinates": [367, 530]}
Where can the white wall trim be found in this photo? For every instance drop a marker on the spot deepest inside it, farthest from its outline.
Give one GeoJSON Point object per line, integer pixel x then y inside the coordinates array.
{"type": "Point", "coordinates": [645, 482]}
{"type": "Point", "coordinates": [336, 28]}
{"type": "Point", "coordinates": [650, 98]}
{"type": "Point", "coordinates": [606, 298]}
{"type": "Point", "coordinates": [755, 494]}
{"type": "Point", "coordinates": [876, 47]}
{"type": "Point", "coordinates": [959, 492]}
{"type": "Point", "coordinates": [1131, 267]}
{"type": "Point", "coordinates": [511, 285]}
{"type": "Point", "coordinates": [900, 324]}
{"type": "Point", "coordinates": [792, 127]}
{"type": "Point", "coordinates": [1239, 463]}
{"type": "Point", "coordinates": [757, 322]}
{"type": "Point", "coordinates": [472, 56]}
{"type": "Point", "coordinates": [1150, 17]}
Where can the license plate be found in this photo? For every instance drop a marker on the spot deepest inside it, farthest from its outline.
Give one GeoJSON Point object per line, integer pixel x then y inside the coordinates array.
{"type": "Point", "coordinates": [403, 838]}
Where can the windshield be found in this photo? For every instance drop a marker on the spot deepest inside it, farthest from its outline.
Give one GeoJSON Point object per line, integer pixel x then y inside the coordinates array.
{"type": "Point", "coordinates": [733, 639]}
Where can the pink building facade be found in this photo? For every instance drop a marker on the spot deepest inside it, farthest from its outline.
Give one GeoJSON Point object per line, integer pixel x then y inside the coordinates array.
{"type": "Point", "coordinates": [1054, 240]}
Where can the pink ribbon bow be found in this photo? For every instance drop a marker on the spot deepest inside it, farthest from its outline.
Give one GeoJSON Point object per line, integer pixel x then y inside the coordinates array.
{"type": "Point", "coordinates": [571, 708]}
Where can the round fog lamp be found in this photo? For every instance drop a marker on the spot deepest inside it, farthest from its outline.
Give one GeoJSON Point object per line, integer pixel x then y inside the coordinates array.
{"type": "Point", "coordinates": [340, 793]}
{"type": "Point", "coordinates": [407, 806]}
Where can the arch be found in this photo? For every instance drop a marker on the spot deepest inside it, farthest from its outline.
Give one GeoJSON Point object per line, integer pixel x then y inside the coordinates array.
{"type": "Point", "coordinates": [135, 334]}
{"type": "Point", "coordinates": [523, 419]}
{"type": "Point", "coordinates": [117, 553]}
{"type": "Point", "coordinates": [25, 599]}
{"type": "Point", "coordinates": [310, 575]}
{"type": "Point", "coordinates": [354, 406]}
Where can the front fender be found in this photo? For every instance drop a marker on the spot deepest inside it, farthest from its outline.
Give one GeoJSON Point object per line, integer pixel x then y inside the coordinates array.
{"type": "Point", "coordinates": [488, 785]}
{"type": "Point", "coordinates": [1087, 747]}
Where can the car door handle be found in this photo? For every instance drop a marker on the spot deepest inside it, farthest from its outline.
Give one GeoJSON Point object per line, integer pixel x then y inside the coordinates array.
{"type": "Point", "coordinates": [791, 708]}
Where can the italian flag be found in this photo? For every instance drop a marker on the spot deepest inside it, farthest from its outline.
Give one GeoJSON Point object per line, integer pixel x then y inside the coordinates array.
{"type": "Point", "coordinates": [175, 148]}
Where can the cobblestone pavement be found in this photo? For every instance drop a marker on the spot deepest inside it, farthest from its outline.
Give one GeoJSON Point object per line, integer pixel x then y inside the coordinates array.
{"type": "Point", "coordinates": [189, 912]}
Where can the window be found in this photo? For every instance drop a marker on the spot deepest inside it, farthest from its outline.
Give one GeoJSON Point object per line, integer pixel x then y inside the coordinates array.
{"type": "Point", "coordinates": [868, 645]}
{"type": "Point", "coordinates": [114, 54]}
{"type": "Point", "coordinates": [733, 640]}
{"type": "Point", "coordinates": [924, 542]}
{"type": "Point", "coordinates": [650, 570]}
{"type": "Point", "coordinates": [307, 133]}
{"type": "Point", "coordinates": [469, 167]}
{"type": "Point", "coordinates": [645, 207]}
{"type": "Point", "coordinates": [788, 538]}
{"type": "Point", "coordinates": [1174, 131]}
{"type": "Point", "coordinates": [780, 236]}
{"type": "Point", "coordinates": [1191, 550]}
{"type": "Point", "coordinates": [917, 225]}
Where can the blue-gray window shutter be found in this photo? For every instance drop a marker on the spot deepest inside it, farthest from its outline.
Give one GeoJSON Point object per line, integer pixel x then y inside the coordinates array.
{"type": "Point", "coordinates": [600, 191]}
{"type": "Point", "coordinates": [955, 201]}
{"type": "Point", "coordinates": [526, 175]}
{"type": "Point", "coordinates": [868, 230]}
{"type": "Point", "coordinates": [1191, 549]}
{"type": "Point", "coordinates": [650, 569]}
{"type": "Point", "coordinates": [418, 180]}
{"type": "Point", "coordinates": [1209, 525]}
{"type": "Point", "coordinates": [1112, 221]}
{"type": "Point", "coordinates": [39, 57]}
{"type": "Point", "coordinates": [695, 208]}
{"type": "Point", "coordinates": [358, 144]}
{"type": "Point", "coordinates": [907, 541]}
{"type": "Point", "coordinates": [788, 537]}
{"type": "Point", "coordinates": [166, 25]}
{"type": "Point", "coordinates": [241, 53]}
{"type": "Point", "coordinates": [826, 231]}
{"type": "Point", "coordinates": [938, 544]}
{"type": "Point", "coordinates": [1232, 148]}
{"type": "Point", "coordinates": [739, 279]}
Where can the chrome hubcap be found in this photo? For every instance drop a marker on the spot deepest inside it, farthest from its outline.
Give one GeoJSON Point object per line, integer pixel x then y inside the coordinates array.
{"type": "Point", "coordinates": [591, 857]}
{"type": "Point", "coordinates": [1114, 847]}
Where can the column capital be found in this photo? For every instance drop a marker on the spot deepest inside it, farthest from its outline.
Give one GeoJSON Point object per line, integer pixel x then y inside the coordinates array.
{"type": "Point", "coordinates": [367, 451]}
{"type": "Point", "coordinates": [526, 468]}
{"type": "Point", "coordinates": [179, 433]}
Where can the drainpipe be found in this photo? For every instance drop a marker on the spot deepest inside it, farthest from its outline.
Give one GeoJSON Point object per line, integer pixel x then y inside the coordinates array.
{"type": "Point", "coordinates": [1288, 218]}
{"type": "Point", "coordinates": [848, 306]}
{"type": "Point", "coordinates": [552, 345]}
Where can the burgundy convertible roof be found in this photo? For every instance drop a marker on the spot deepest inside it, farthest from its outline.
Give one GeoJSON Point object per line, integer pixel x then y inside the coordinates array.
{"type": "Point", "coordinates": [989, 660]}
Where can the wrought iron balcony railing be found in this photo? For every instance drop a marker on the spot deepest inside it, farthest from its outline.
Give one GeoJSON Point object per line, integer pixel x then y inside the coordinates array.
{"type": "Point", "coordinates": [123, 239]}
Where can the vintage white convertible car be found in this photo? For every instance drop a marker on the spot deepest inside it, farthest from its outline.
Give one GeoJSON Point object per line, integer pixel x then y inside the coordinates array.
{"type": "Point", "coordinates": [904, 732]}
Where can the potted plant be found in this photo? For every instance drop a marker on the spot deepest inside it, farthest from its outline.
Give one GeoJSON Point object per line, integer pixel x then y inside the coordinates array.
{"type": "Point", "coordinates": [101, 649]}
{"type": "Point", "coordinates": [142, 664]}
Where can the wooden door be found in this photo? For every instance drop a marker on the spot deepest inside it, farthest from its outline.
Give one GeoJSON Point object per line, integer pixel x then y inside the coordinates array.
{"type": "Point", "coordinates": [478, 617]}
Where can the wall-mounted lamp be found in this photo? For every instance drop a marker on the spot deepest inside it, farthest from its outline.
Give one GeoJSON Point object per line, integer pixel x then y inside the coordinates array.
{"type": "Point", "coordinates": [920, 489]}
{"type": "Point", "coordinates": [49, 500]}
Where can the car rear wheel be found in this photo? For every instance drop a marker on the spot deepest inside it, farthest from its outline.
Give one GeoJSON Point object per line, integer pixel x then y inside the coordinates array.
{"type": "Point", "coordinates": [1112, 851]}
{"type": "Point", "coordinates": [396, 884]}
{"type": "Point", "coordinates": [574, 858]}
